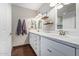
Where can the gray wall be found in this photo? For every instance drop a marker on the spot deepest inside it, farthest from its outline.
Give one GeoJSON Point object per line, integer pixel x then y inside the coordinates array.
{"type": "Point", "coordinates": [44, 8]}
{"type": "Point", "coordinates": [22, 13]}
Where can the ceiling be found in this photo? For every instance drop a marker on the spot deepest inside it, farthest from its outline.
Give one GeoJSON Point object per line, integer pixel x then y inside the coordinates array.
{"type": "Point", "coordinates": [33, 6]}
{"type": "Point", "coordinates": [67, 9]}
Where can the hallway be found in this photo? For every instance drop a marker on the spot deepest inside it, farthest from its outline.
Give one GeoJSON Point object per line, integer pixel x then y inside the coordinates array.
{"type": "Point", "coordinates": [24, 50]}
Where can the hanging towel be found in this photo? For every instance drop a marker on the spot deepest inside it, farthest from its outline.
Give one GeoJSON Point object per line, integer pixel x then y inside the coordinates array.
{"type": "Point", "coordinates": [24, 31]}
{"type": "Point", "coordinates": [19, 28]}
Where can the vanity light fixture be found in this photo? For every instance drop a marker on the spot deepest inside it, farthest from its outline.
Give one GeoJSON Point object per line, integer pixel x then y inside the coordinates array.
{"type": "Point", "coordinates": [52, 4]}
{"type": "Point", "coordinates": [66, 3]}
{"type": "Point", "coordinates": [60, 6]}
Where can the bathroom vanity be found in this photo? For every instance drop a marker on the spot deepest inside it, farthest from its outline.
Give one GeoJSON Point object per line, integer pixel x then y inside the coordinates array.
{"type": "Point", "coordinates": [52, 44]}
{"type": "Point", "coordinates": [49, 44]}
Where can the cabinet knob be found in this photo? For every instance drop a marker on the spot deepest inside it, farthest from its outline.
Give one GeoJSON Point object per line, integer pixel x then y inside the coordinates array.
{"type": "Point", "coordinates": [49, 50]}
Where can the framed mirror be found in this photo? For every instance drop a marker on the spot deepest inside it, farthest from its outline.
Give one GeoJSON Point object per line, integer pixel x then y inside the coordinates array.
{"type": "Point", "coordinates": [66, 16]}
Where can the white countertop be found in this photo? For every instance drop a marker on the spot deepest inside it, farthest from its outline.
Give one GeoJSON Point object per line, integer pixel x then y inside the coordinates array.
{"type": "Point", "coordinates": [67, 40]}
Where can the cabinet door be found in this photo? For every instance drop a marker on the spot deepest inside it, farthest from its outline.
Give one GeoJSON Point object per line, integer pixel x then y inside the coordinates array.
{"type": "Point", "coordinates": [34, 42]}
{"type": "Point", "coordinates": [31, 40]}
{"type": "Point", "coordinates": [43, 46]}
{"type": "Point", "coordinates": [77, 52]}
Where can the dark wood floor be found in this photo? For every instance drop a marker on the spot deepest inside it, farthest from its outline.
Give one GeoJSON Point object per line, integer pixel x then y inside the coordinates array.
{"type": "Point", "coordinates": [24, 50]}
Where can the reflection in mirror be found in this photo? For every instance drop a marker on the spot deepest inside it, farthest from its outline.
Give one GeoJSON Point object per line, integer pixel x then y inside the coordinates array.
{"type": "Point", "coordinates": [66, 16]}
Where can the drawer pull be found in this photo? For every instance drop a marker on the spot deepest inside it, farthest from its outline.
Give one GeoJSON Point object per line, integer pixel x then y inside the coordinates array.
{"type": "Point", "coordinates": [49, 50]}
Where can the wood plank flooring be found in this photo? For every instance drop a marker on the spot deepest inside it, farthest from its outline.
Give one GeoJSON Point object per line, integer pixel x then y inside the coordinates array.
{"type": "Point", "coordinates": [25, 50]}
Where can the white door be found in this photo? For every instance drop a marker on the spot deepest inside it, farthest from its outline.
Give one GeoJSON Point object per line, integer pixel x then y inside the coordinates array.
{"type": "Point", "coordinates": [5, 29]}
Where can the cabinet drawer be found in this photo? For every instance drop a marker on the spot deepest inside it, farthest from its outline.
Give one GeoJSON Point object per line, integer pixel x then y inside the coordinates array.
{"type": "Point", "coordinates": [46, 50]}
{"type": "Point", "coordinates": [52, 52]}
{"type": "Point", "coordinates": [52, 48]}
{"type": "Point", "coordinates": [64, 49]}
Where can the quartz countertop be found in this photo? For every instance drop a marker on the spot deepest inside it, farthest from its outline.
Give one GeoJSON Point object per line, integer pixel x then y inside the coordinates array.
{"type": "Point", "coordinates": [72, 41]}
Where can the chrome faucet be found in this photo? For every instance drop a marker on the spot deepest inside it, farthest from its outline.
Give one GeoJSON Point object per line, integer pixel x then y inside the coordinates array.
{"type": "Point", "coordinates": [61, 32]}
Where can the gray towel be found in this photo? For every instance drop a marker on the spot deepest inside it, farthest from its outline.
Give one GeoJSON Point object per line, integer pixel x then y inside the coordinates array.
{"type": "Point", "coordinates": [24, 31]}
{"type": "Point", "coordinates": [19, 28]}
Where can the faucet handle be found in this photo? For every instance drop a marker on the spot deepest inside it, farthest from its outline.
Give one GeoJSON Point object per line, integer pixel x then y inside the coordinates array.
{"type": "Point", "coordinates": [62, 32]}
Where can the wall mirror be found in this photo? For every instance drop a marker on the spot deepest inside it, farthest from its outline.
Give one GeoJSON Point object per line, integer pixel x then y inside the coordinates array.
{"type": "Point", "coordinates": [66, 16]}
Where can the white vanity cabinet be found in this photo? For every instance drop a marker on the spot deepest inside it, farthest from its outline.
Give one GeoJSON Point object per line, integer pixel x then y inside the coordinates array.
{"type": "Point", "coordinates": [52, 48]}
{"type": "Point", "coordinates": [34, 42]}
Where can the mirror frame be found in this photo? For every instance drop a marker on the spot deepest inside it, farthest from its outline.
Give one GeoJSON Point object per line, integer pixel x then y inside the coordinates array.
{"type": "Point", "coordinates": [63, 29]}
